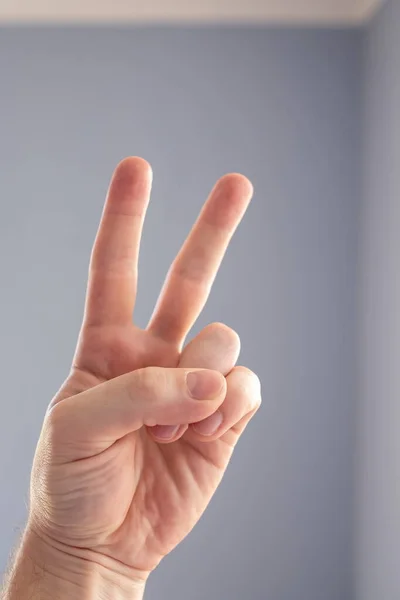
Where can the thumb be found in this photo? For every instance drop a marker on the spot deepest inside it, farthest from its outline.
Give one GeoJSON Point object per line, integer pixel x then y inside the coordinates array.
{"type": "Point", "coordinates": [150, 396]}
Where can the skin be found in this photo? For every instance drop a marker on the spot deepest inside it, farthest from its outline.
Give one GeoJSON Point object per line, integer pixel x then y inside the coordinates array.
{"type": "Point", "coordinates": [124, 499]}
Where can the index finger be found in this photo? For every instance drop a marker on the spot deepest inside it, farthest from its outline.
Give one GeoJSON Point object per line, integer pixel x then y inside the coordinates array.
{"type": "Point", "coordinates": [113, 266]}
{"type": "Point", "coordinates": [192, 273]}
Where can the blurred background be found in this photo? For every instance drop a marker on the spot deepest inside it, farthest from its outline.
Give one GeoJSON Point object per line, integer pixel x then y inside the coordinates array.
{"type": "Point", "coordinates": [302, 96]}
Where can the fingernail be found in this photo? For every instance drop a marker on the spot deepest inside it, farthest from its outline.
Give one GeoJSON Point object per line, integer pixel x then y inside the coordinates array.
{"type": "Point", "coordinates": [165, 432]}
{"type": "Point", "coordinates": [210, 425]}
{"type": "Point", "coordinates": [204, 385]}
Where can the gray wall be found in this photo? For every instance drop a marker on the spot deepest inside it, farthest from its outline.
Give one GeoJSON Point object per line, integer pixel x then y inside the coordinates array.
{"type": "Point", "coordinates": [280, 106]}
{"type": "Point", "coordinates": [378, 503]}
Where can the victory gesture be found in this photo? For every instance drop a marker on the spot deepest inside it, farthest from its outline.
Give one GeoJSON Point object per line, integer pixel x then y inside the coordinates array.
{"type": "Point", "coordinates": [136, 441]}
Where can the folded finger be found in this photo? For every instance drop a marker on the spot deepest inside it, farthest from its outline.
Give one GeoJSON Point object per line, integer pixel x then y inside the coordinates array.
{"type": "Point", "coordinates": [215, 347]}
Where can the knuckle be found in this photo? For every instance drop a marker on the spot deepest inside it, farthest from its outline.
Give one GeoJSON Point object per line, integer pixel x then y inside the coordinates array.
{"type": "Point", "coordinates": [148, 382]}
{"type": "Point", "coordinates": [141, 382]}
{"type": "Point", "coordinates": [250, 385]}
{"type": "Point", "coordinates": [54, 417]}
{"type": "Point", "coordinates": [55, 425]}
{"type": "Point", "coordinates": [224, 330]}
{"type": "Point", "coordinates": [223, 334]}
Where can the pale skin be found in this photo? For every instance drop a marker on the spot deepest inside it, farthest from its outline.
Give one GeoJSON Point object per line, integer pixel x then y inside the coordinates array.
{"type": "Point", "coordinates": [128, 459]}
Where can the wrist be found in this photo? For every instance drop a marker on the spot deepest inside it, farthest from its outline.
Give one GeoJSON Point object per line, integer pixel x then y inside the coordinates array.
{"type": "Point", "coordinates": [44, 570]}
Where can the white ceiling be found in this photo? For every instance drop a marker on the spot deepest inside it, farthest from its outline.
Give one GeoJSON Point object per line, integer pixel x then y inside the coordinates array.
{"type": "Point", "coordinates": [323, 12]}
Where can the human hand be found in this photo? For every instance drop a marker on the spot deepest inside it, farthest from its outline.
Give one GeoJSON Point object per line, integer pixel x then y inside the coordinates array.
{"type": "Point", "coordinates": [108, 484]}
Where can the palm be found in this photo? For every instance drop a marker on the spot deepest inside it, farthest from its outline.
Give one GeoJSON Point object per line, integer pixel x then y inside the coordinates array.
{"type": "Point", "coordinates": [171, 485]}
{"type": "Point", "coordinates": [151, 487]}
{"type": "Point", "coordinates": [177, 482]}
{"type": "Point", "coordinates": [161, 471]}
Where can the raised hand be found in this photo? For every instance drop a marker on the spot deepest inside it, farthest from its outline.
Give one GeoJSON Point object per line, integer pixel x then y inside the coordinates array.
{"type": "Point", "coordinates": [128, 460]}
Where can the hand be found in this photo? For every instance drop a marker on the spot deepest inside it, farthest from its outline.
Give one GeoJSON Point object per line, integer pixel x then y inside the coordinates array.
{"type": "Point", "coordinates": [123, 468]}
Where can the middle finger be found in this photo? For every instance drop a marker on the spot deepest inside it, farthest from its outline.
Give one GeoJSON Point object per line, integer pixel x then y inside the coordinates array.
{"type": "Point", "coordinates": [192, 273]}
